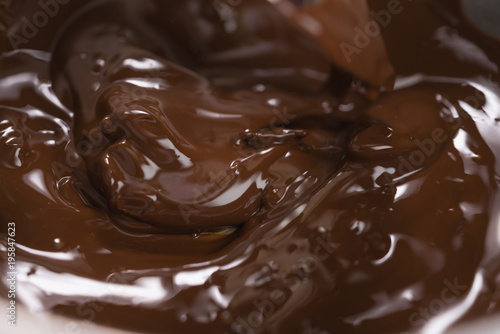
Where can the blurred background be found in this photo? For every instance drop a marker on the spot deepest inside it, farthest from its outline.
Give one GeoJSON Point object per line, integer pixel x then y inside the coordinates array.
{"type": "Point", "coordinates": [486, 15]}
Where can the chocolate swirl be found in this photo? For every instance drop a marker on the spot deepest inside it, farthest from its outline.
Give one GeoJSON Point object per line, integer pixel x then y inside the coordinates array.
{"type": "Point", "coordinates": [184, 169]}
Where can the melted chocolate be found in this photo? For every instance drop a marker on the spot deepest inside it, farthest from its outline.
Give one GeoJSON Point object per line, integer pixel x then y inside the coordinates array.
{"type": "Point", "coordinates": [189, 166]}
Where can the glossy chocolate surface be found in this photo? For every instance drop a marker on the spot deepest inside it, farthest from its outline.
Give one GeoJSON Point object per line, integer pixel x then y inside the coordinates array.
{"type": "Point", "coordinates": [197, 166]}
